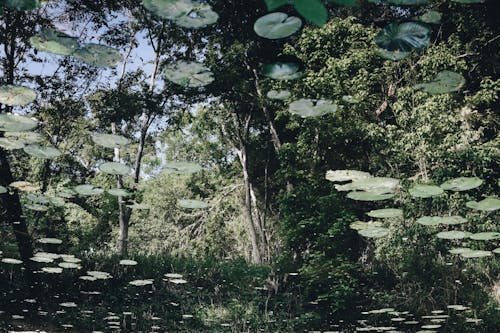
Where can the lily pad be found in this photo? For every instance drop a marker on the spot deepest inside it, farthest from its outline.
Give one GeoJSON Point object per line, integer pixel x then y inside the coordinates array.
{"type": "Point", "coordinates": [3, 189]}
{"type": "Point", "coordinates": [56, 42]}
{"type": "Point", "coordinates": [169, 9]}
{"type": "Point", "coordinates": [368, 196]}
{"type": "Point", "coordinates": [114, 168]}
{"type": "Point", "coordinates": [50, 241]}
{"type": "Point", "coordinates": [444, 82]}
{"type": "Point", "coordinates": [24, 186]}
{"type": "Point", "coordinates": [87, 190]}
{"type": "Point", "coordinates": [497, 250]}
{"type": "Point", "coordinates": [110, 140]}
{"type": "Point", "coordinates": [282, 71]}
{"type": "Point", "coordinates": [385, 213]}
{"type": "Point", "coordinates": [192, 204]}
{"type": "Point", "coordinates": [374, 232]}
{"type": "Point", "coordinates": [425, 191]}
{"type": "Point", "coordinates": [13, 95]}
{"type": "Point", "coordinates": [485, 236]}
{"type": "Point", "coordinates": [279, 95]}
{"type": "Point", "coordinates": [429, 220]}
{"type": "Point", "coordinates": [24, 137]}
{"type": "Point", "coordinates": [201, 15]}
{"type": "Point", "coordinates": [52, 270]}
{"type": "Point", "coordinates": [460, 250]}
{"type": "Point", "coordinates": [15, 123]}
{"type": "Point", "coordinates": [379, 185]}
{"type": "Point", "coordinates": [127, 262]}
{"type": "Point", "coordinates": [454, 234]}
{"type": "Point", "coordinates": [37, 207]}
{"type": "Point", "coordinates": [476, 254]}
{"type": "Point", "coordinates": [188, 74]}
{"type": "Point", "coordinates": [141, 283]}
{"type": "Point", "coordinates": [312, 107]}
{"type": "Point", "coordinates": [345, 175]}
{"type": "Point", "coordinates": [119, 192]}
{"type": "Point", "coordinates": [403, 37]}
{"type": "Point", "coordinates": [11, 144]}
{"type": "Point", "coordinates": [45, 152]}
{"type": "Point", "coordinates": [461, 184]}
{"type": "Point", "coordinates": [358, 225]}
{"type": "Point", "coordinates": [21, 4]}
{"type": "Point", "coordinates": [488, 205]}
{"type": "Point", "coordinates": [98, 55]}
{"type": "Point", "coordinates": [182, 168]}
{"type": "Point", "coordinates": [431, 17]}
{"type": "Point", "coordinates": [11, 261]}
{"type": "Point", "coordinates": [277, 25]}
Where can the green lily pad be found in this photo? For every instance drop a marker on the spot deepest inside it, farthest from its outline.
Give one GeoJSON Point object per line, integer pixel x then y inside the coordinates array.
{"type": "Point", "coordinates": [279, 95]}
{"type": "Point", "coordinates": [425, 191]}
{"type": "Point", "coordinates": [431, 17]}
{"type": "Point", "coordinates": [282, 71]}
{"type": "Point", "coordinates": [87, 190]}
{"type": "Point", "coordinates": [40, 199]}
{"type": "Point", "coordinates": [9, 144]}
{"type": "Point", "coordinates": [36, 207]}
{"type": "Point", "coordinates": [497, 250]}
{"type": "Point", "coordinates": [11, 261]}
{"type": "Point", "coordinates": [138, 206]}
{"type": "Point", "coordinates": [45, 152]}
{"type": "Point", "coordinates": [277, 25]}
{"type": "Point", "coordinates": [444, 82]}
{"type": "Point", "coordinates": [488, 205]}
{"type": "Point", "coordinates": [188, 74]}
{"type": "Point", "coordinates": [24, 186]}
{"type": "Point", "coordinates": [476, 254]}
{"type": "Point", "coordinates": [454, 234]}
{"type": "Point", "coordinates": [347, 3]}
{"type": "Point", "coordinates": [119, 192]}
{"type": "Point", "coordinates": [24, 137]}
{"type": "Point", "coordinates": [192, 204]}
{"type": "Point", "coordinates": [391, 55]}
{"type": "Point", "coordinates": [312, 10]}
{"type": "Point", "coordinates": [485, 236]}
{"type": "Point", "coordinates": [56, 42]}
{"type": "Point", "coordinates": [404, 37]}
{"type": "Point", "coordinates": [312, 107]}
{"type": "Point", "coordinates": [182, 168]}
{"type": "Point", "coordinates": [358, 225]}
{"type": "Point", "coordinates": [21, 4]}
{"type": "Point", "coordinates": [368, 196]}
{"type": "Point", "coordinates": [446, 220]}
{"type": "Point", "coordinates": [141, 283]}
{"type": "Point", "coordinates": [460, 250]}
{"type": "Point", "coordinates": [3, 189]}
{"type": "Point", "coordinates": [461, 184]}
{"type": "Point", "coordinates": [169, 9]}
{"type": "Point", "coordinates": [98, 55]}
{"type": "Point", "coordinates": [429, 220]}
{"type": "Point", "coordinates": [374, 232]}
{"type": "Point", "coordinates": [15, 123]}
{"type": "Point", "coordinates": [345, 175]}
{"type": "Point", "coordinates": [378, 185]}
{"type": "Point", "coordinates": [127, 262]}
{"type": "Point", "coordinates": [110, 140]}
{"type": "Point", "coordinates": [114, 168]}
{"type": "Point", "coordinates": [350, 99]}
{"type": "Point", "coordinates": [50, 241]}
{"type": "Point", "coordinates": [385, 213]}
{"type": "Point", "coordinates": [66, 193]}
{"type": "Point", "coordinates": [13, 95]}
{"type": "Point", "coordinates": [201, 15]}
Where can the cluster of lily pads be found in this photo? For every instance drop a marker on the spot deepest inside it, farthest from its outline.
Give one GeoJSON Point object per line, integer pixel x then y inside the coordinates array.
{"type": "Point", "coordinates": [184, 13]}
{"type": "Point", "coordinates": [362, 186]}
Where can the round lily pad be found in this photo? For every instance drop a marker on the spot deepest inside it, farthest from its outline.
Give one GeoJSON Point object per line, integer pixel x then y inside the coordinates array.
{"type": "Point", "coordinates": [454, 234]}
{"type": "Point", "coordinates": [497, 250]}
{"type": "Point", "coordinates": [169, 9]}
{"type": "Point", "coordinates": [460, 250]}
{"type": "Point", "coordinates": [69, 265]}
{"type": "Point", "coordinates": [201, 15]}
{"type": "Point", "coordinates": [52, 270]}
{"type": "Point", "coordinates": [429, 220]}
{"type": "Point", "coordinates": [11, 144]}
{"type": "Point", "coordinates": [140, 283]}
{"type": "Point", "coordinates": [358, 225]}
{"type": "Point", "coordinates": [431, 17]}
{"type": "Point", "coordinates": [476, 254]}
{"type": "Point", "coordinates": [181, 168]}
{"type": "Point", "coordinates": [188, 74]}
{"type": "Point", "coordinates": [345, 175]}
{"type": "Point", "coordinates": [11, 261]}
{"type": "Point", "coordinates": [110, 140]}
{"type": "Point", "coordinates": [282, 71]}
{"type": "Point", "coordinates": [391, 55]}
{"type": "Point", "coordinates": [119, 192]}
{"type": "Point", "coordinates": [87, 190]}
{"type": "Point", "coordinates": [452, 220]}
{"type": "Point", "coordinates": [425, 191]}
{"type": "Point", "coordinates": [368, 196]}
{"type": "Point", "coordinates": [114, 168]}
{"type": "Point", "coordinates": [192, 204]}
{"type": "Point", "coordinates": [380, 185]}
{"type": "Point", "coordinates": [461, 184]}
{"type": "Point", "coordinates": [24, 137]}
{"type": "Point", "coordinates": [312, 107]}
{"type": "Point", "coordinates": [15, 123]}
{"type": "Point", "coordinates": [3, 189]}
{"type": "Point", "coordinates": [13, 95]}
{"type": "Point", "coordinates": [488, 205]}
{"type": "Point", "coordinates": [386, 213]}
{"type": "Point", "coordinates": [37, 207]}
{"type": "Point", "coordinates": [45, 152]}
{"type": "Point", "coordinates": [56, 42]}
{"type": "Point", "coordinates": [485, 236]}
{"type": "Point", "coordinates": [24, 186]}
{"type": "Point", "coordinates": [277, 25]}
{"type": "Point", "coordinates": [50, 241]}
{"type": "Point", "coordinates": [128, 262]}
{"type": "Point", "coordinates": [374, 232]}
{"type": "Point", "coordinates": [40, 259]}
{"type": "Point", "coordinates": [444, 82]}
{"type": "Point", "coordinates": [403, 37]}
{"type": "Point", "coordinates": [279, 94]}
{"type": "Point", "coordinates": [98, 55]}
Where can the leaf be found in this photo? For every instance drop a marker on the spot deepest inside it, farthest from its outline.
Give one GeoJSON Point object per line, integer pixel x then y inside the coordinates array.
{"type": "Point", "coordinates": [431, 17]}
{"type": "Point", "coordinates": [282, 71]}
{"type": "Point", "coordinates": [198, 17]}
{"type": "Point", "coordinates": [56, 42]}
{"type": "Point", "coordinates": [98, 55]}
{"type": "Point", "coordinates": [169, 9]}
{"type": "Point", "coordinates": [188, 74]}
{"type": "Point", "coordinates": [445, 82]}
{"type": "Point", "coordinates": [404, 37]}
{"type": "Point", "coordinates": [347, 3]}
{"type": "Point", "coordinates": [312, 107]}
{"type": "Point", "coordinates": [274, 4]}
{"type": "Point", "coordinates": [312, 10]}
{"type": "Point", "coordinates": [13, 95]}
{"type": "Point", "coordinates": [277, 25]}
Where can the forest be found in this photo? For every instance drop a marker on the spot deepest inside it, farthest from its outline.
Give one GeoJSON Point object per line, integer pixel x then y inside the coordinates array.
{"type": "Point", "coordinates": [242, 166]}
